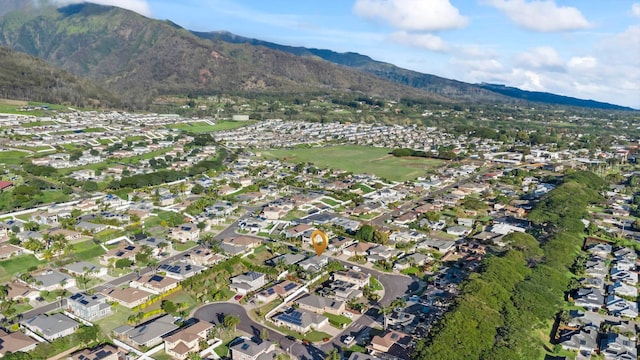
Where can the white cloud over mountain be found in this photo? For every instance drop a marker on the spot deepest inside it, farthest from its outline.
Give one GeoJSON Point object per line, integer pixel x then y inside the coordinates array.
{"type": "Point", "coordinates": [413, 15]}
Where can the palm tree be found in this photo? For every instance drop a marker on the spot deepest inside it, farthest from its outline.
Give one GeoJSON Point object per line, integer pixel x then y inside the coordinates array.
{"type": "Point", "coordinates": [384, 311]}
{"type": "Point", "coordinates": [231, 321]}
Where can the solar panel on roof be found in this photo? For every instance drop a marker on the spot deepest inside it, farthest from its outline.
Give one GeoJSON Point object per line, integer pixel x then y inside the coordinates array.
{"type": "Point", "coordinates": [289, 286]}
{"type": "Point", "coordinates": [156, 278]}
{"type": "Point", "coordinates": [245, 346]}
{"type": "Point", "coordinates": [84, 302]}
{"type": "Point", "coordinates": [270, 291]}
{"type": "Point", "coordinates": [76, 296]}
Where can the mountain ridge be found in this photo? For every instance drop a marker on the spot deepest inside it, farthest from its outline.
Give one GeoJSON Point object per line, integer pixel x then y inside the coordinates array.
{"type": "Point", "coordinates": [412, 78]}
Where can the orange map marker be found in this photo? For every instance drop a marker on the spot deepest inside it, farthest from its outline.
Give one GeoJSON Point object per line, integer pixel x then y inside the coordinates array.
{"type": "Point", "coordinates": [319, 241]}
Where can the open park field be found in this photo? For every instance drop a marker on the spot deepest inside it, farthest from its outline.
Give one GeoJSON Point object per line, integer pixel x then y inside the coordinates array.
{"type": "Point", "coordinates": [203, 127]}
{"type": "Point", "coordinates": [359, 160]}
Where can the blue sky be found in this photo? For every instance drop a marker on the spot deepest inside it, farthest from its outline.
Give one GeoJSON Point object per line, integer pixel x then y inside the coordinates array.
{"type": "Point", "coordinates": [583, 48]}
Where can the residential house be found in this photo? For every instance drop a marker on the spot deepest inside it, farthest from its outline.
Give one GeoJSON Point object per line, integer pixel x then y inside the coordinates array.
{"type": "Point", "coordinates": [596, 267]}
{"type": "Point", "coordinates": [180, 270]}
{"type": "Point", "coordinates": [187, 340]}
{"type": "Point", "coordinates": [360, 248]}
{"type": "Point", "coordinates": [155, 283]}
{"type": "Point", "coordinates": [618, 347]}
{"type": "Point", "coordinates": [298, 230]}
{"type": "Point", "coordinates": [381, 253]}
{"type": "Point", "coordinates": [459, 230]}
{"type": "Point", "coordinates": [15, 342]}
{"type": "Point", "coordinates": [583, 340]}
{"type": "Point", "coordinates": [123, 251]}
{"type": "Point", "coordinates": [51, 327]}
{"type": "Point", "coordinates": [248, 349]}
{"type": "Point", "coordinates": [622, 289]}
{"type": "Point", "coordinates": [286, 259]}
{"type": "Point", "coordinates": [51, 280]}
{"type": "Point", "coordinates": [88, 307]}
{"type": "Point", "coordinates": [314, 263]}
{"type": "Point", "coordinates": [148, 334]}
{"type": "Point", "coordinates": [320, 305]}
{"type": "Point", "coordinates": [7, 250]}
{"type": "Point", "coordinates": [282, 290]}
{"type": "Point", "coordinates": [392, 345]}
{"type": "Point", "coordinates": [626, 276]}
{"type": "Point", "coordinates": [102, 352]}
{"type": "Point", "coordinates": [360, 279]}
{"type": "Point", "coordinates": [19, 291]}
{"type": "Point", "coordinates": [600, 249]}
{"type": "Point", "coordinates": [202, 256]}
{"type": "Point", "coordinates": [440, 245]}
{"type": "Point", "coordinates": [618, 306]}
{"type": "Point", "coordinates": [300, 320]}
{"type": "Point", "coordinates": [239, 244]}
{"type": "Point", "coordinates": [44, 218]}
{"type": "Point", "coordinates": [185, 232]}
{"type": "Point", "coordinates": [85, 268]}
{"type": "Point", "coordinates": [128, 297]}
{"type": "Point", "coordinates": [248, 282]}
{"type": "Point", "coordinates": [589, 298]}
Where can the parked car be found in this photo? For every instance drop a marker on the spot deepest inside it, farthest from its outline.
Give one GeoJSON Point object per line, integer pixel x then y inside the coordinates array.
{"type": "Point", "coordinates": [238, 297]}
{"type": "Point", "coordinates": [348, 339]}
{"type": "Point", "coordinates": [356, 268]}
{"type": "Point", "coordinates": [347, 314]}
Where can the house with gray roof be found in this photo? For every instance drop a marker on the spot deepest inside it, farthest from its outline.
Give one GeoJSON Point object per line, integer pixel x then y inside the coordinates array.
{"type": "Point", "coordinates": [288, 259]}
{"type": "Point", "coordinates": [618, 347]}
{"type": "Point", "coordinates": [320, 305]}
{"type": "Point", "coordinates": [314, 263]}
{"type": "Point", "coordinates": [51, 327]}
{"type": "Point", "coordinates": [247, 349]}
{"type": "Point", "coordinates": [248, 282]}
{"type": "Point", "coordinates": [618, 306]}
{"type": "Point", "coordinates": [181, 270]}
{"type": "Point", "coordinates": [53, 280]}
{"type": "Point", "coordinates": [148, 334]}
{"type": "Point", "coordinates": [583, 340]}
{"type": "Point", "coordinates": [300, 320]}
{"type": "Point", "coordinates": [85, 268]}
{"type": "Point", "coordinates": [589, 298]}
{"type": "Point", "coordinates": [89, 307]}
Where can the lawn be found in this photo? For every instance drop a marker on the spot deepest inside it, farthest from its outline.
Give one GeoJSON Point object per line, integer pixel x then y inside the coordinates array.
{"type": "Point", "coordinates": [16, 265]}
{"type": "Point", "coordinates": [118, 318]}
{"type": "Point", "coordinates": [365, 188]}
{"type": "Point", "coordinates": [338, 321]}
{"type": "Point", "coordinates": [375, 284]}
{"type": "Point", "coordinates": [37, 123]}
{"type": "Point", "coordinates": [313, 336]}
{"type": "Point", "coordinates": [12, 157]}
{"type": "Point", "coordinates": [329, 201]}
{"type": "Point", "coordinates": [410, 271]}
{"type": "Point", "coordinates": [186, 246]}
{"type": "Point", "coordinates": [203, 127]}
{"type": "Point", "coordinates": [359, 160]}
{"type": "Point", "coordinates": [87, 250]}
{"type": "Point", "coordinates": [94, 129]}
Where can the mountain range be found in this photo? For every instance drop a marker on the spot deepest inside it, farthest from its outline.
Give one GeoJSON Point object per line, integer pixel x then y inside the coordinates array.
{"type": "Point", "coordinates": [140, 58]}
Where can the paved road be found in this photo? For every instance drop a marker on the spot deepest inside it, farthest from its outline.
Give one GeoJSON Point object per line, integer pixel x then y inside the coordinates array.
{"type": "Point", "coordinates": [395, 286]}
{"type": "Point", "coordinates": [215, 313]}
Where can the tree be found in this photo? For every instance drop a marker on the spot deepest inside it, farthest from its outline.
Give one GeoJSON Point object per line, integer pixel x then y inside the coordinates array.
{"type": "Point", "coordinates": [231, 321]}
{"type": "Point", "coordinates": [384, 311]}
{"type": "Point", "coordinates": [169, 306]}
{"type": "Point", "coordinates": [333, 354]}
{"type": "Point", "coordinates": [197, 189]}
{"type": "Point", "coordinates": [264, 334]}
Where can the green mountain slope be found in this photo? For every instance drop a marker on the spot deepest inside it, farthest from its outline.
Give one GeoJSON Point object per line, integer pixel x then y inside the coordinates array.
{"type": "Point", "coordinates": [445, 87]}
{"type": "Point", "coordinates": [25, 77]}
{"type": "Point", "coordinates": [141, 57]}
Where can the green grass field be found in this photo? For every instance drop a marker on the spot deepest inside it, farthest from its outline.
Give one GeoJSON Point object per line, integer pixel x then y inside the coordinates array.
{"type": "Point", "coordinates": [37, 123]}
{"type": "Point", "coordinates": [87, 250]}
{"type": "Point", "coordinates": [12, 157]}
{"type": "Point", "coordinates": [16, 265]}
{"type": "Point", "coordinates": [359, 160]}
{"type": "Point", "coordinates": [203, 127]}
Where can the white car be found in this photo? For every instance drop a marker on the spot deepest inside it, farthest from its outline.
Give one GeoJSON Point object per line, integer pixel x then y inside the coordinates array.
{"type": "Point", "coordinates": [348, 340]}
{"type": "Point", "coordinates": [356, 268]}
{"type": "Point", "coordinates": [347, 314]}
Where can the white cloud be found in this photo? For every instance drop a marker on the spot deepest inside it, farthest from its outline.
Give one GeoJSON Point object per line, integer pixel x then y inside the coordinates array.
{"type": "Point", "coordinates": [424, 41]}
{"type": "Point", "coordinates": [541, 15]}
{"type": "Point", "coordinates": [416, 15]}
{"type": "Point", "coordinates": [542, 57]}
{"type": "Point", "coordinates": [140, 6]}
{"type": "Point", "coordinates": [635, 9]}
{"type": "Point", "coordinates": [582, 63]}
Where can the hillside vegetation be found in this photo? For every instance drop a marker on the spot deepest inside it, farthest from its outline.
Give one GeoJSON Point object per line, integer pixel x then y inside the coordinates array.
{"type": "Point", "coordinates": [26, 77]}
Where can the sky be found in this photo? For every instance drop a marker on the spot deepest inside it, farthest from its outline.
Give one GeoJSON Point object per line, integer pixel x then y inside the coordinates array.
{"type": "Point", "coordinates": [589, 49]}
